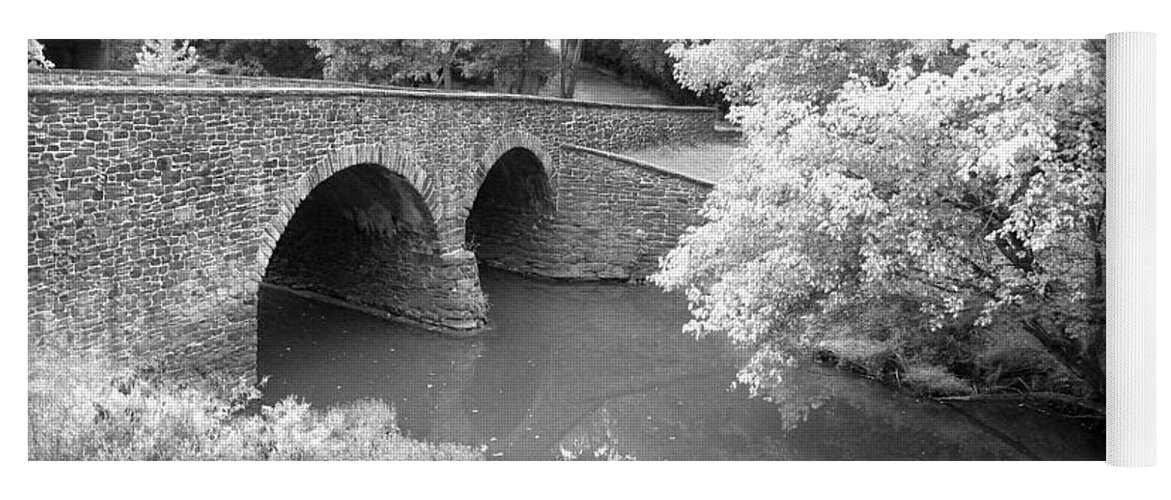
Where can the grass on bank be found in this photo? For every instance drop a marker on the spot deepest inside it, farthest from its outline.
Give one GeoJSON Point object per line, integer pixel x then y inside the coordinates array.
{"type": "Point", "coordinates": [82, 407]}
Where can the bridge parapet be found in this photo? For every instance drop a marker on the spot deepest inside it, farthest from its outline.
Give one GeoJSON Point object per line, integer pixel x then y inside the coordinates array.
{"type": "Point", "coordinates": [42, 80]}
{"type": "Point", "coordinates": [114, 78]}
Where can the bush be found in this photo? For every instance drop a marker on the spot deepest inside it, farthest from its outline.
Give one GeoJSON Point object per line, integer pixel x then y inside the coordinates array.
{"type": "Point", "coordinates": [82, 407]}
{"type": "Point", "coordinates": [604, 453]}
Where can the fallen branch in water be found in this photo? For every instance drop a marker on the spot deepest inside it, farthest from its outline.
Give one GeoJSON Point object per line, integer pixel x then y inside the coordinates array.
{"type": "Point", "coordinates": [1096, 408]}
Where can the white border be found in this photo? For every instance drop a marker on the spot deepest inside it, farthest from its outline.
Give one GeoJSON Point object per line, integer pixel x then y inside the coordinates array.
{"type": "Point", "coordinates": [599, 19]}
{"type": "Point", "coordinates": [1130, 200]}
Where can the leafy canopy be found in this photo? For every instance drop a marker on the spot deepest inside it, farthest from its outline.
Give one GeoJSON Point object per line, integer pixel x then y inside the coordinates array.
{"type": "Point", "coordinates": [166, 56]}
{"type": "Point", "coordinates": [893, 189]}
{"type": "Point", "coordinates": [36, 55]}
{"type": "Point", "coordinates": [514, 65]}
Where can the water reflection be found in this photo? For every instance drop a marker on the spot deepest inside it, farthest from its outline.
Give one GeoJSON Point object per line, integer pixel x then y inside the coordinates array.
{"type": "Point", "coordinates": [574, 368]}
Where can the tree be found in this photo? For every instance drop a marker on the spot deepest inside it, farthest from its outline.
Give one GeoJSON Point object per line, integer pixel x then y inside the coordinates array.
{"type": "Point", "coordinates": [167, 56]}
{"type": "Point", "coordinates": [383, 61]}
{"type": "Point", "coordinates": [514, 66]}
{"type": "Point", "coordinates": [744, 71]}
{"type": "Point", "coordinates": [36, 55]}
{"type": "Point", "coordinates": [645, 61]}
{"type": "Point", "coordinates": [277, 57]}
{"type": "Point", "coordinates": [518, 66]}
{"type": "Point", "coordinates": [568, 58]}
{"type": "Point", "coordinates": [897, 190]}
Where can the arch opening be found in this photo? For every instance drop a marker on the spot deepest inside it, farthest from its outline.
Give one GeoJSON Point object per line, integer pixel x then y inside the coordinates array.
{"type": "Point", "coordinates": [366, 237]}
{"type": "Point", "coordinates": [513, 204]}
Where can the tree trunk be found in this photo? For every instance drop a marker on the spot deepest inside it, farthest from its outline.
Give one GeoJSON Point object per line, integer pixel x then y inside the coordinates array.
{"type": "Point", "coordinates": [573, 67]}
{"type": "Point", "coordinates": [524, 66]}
{"type": "Point", "coordinates": [569, 57]}
{"type": "Point", "coordinates": [1086, 360]}
{"type": "Point", "coordinates": [448, 75]}
{"type": "Point", "coordinates": [449, 68]}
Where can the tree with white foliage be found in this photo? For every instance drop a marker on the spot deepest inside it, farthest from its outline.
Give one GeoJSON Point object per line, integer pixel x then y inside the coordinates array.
{"type": "Point", "coordinates": [515, 66]}
{"type": "Point", "coordinates": [36, 55]}
{"type": "Point", "coordinates": [890, 190]}
{"type": "Point", "coordinates": [167, 56]}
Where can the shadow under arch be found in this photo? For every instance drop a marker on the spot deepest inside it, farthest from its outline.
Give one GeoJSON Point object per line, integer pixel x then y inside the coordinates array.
{"type": "Point", "coordinates": [358, 229]}
{"type": "Point", "coordinates": [516, 139]}
{"type": "Point", "coordinates": [337, 160]}
{"type": "Point", "coordinates": [512, 204]}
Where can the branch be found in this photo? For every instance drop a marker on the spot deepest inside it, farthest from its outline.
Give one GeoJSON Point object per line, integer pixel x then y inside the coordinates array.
{"type": "Point", "coordinates": [1095, 407]}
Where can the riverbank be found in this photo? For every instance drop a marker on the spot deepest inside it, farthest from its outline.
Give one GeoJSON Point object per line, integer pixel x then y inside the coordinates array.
{"type": "Point", "coordinates": [1001, 383]}
{"type": "Point", "coordinates": [84, 407]}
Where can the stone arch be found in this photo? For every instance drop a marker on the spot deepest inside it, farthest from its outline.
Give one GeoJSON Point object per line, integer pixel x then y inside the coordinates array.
{"type": "Point", "coordinates": [337, 160]}
{"type": "Point", "coordinates": [402, 273]}
{"type": "Point", "coordinates": [510, 205]}
{"type": "Point", "coordinates": [503, 144]}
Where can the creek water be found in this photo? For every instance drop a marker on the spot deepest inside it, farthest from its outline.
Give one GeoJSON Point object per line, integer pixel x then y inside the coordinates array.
{"type": "Point", "coordinates": [589, 369]}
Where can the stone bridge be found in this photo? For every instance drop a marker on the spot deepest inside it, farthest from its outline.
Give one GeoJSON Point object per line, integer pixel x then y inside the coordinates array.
{"type": "Point", "coordinates": [158, 204]}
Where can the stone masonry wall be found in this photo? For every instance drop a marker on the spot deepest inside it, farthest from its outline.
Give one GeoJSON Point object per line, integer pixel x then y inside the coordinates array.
{"type": "Point", "coordinates": [152, 211]}
{"type": "Point", "coordinates": [629, 215]}
{"type": "Point", "coordinates": [614, 219]}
